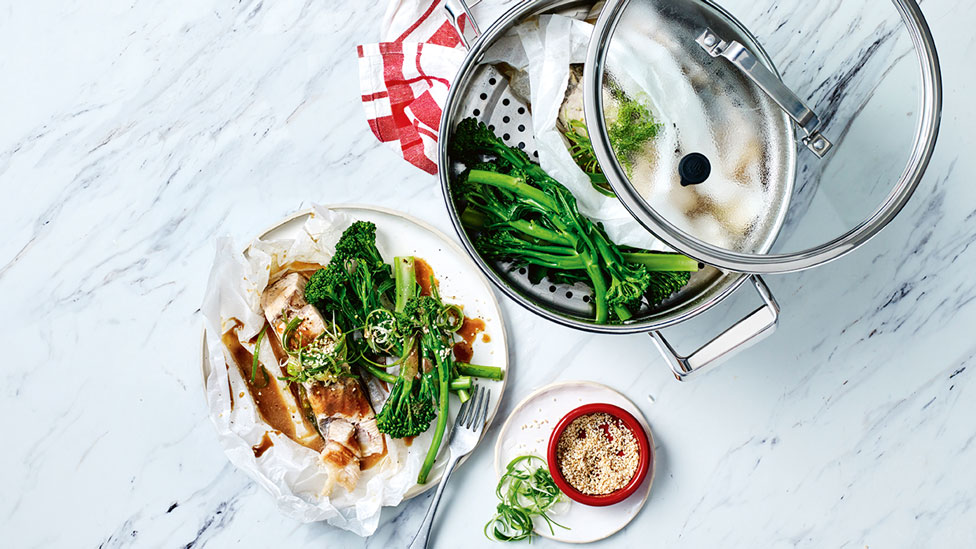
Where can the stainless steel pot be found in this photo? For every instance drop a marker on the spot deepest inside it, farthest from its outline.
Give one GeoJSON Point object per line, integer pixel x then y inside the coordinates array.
{"type": "Point", "coordinates": [483, 91]}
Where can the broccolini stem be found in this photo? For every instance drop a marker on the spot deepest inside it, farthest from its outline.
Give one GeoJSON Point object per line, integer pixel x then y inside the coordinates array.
{"type": "Point", "coordinates": [588, 253]}
{"type": "Point", "coordinates": [608, 253]}
{"type": "Point", "coordinates": [462, 392]}
{"type": "Point", "coordinates": [534, 170]}
{"type": "Point", "coordinates": [565, 262]}
{"type": "Point", "coordinates": [533, 229]}
{"type": "Point", "coordinates": [379, 373]}
{"type": "Point", "coordinates": [461, 383]}
{"type": "Point", "coordinates": [444, 375]}
{"type": "Point", "coordinates": [472, 218]}
{"type": "Point", "coordinates": [623, 313]}
{"type": "Point", "coordinates": [406, 281]}
{"type": "Point", "coordinates": [511, 184]}
{"type": "Point", "coordinates": [584, 260]}
{"type": "Point", "coordinates": [662, 261]}
{"type": "Point", "coordinates": [476, 370]}
{"type": "Point", "coordinates": [599, 287]}
{"type": "Point", "coordinates": [560, 251]}
{"type": "Point", "coordinates": [482, 213]}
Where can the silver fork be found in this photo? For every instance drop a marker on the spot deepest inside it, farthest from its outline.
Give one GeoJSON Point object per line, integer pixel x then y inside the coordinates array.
{"type": "Point", "coordinates": [464, 437]}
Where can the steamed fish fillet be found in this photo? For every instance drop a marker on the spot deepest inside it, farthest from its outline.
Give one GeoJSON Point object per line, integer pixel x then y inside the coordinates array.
{"type": "Point", "coordinates": [343, 403]}
{"type": "Point", "coordinates": [341, 408]}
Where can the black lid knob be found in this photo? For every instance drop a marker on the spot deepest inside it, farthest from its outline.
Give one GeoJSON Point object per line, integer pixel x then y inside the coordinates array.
{"type": "Point", "coordinates": [693, 169]}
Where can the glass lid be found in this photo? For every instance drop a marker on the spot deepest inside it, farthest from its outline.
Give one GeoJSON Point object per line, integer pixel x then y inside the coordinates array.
{"type": "Point", "coordinates": [727, 161]}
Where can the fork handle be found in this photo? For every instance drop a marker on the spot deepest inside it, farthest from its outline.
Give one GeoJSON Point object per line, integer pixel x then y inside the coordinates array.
{"type": "Point", "coordinates": [420, 540]}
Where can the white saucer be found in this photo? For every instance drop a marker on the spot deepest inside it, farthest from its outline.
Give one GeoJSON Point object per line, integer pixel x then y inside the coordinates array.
{"type": "Point", "coordinates": [527, 431]}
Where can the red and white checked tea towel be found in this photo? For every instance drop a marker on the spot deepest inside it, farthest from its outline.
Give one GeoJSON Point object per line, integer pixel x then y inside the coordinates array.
{"type": "Point", "coordinates": [405, 78]}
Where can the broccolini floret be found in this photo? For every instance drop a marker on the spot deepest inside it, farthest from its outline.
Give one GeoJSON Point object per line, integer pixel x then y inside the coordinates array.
{"type": "Point", "coordinates": [356, 280]}
{"type": "Point", "coordinates": [412, 403]}
{"type": "Point", "coordinates": [526, 217]}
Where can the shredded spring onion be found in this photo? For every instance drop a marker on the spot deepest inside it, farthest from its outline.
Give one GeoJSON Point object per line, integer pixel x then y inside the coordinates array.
{"type": "Point", "coordinates": [403, 356]}
{"type": "Point", "coordinates": [324, 359]}
{"type": "Point", "coordinates": [381, 332]}
{"type": "Point", "coordinates": [524, 492]}
{"type": "Point", "coordinates": [256, 361]}
{"type": "Point", "coordinates": [451, 318]}
{"type": "Point", "coordinates": [290, 327]}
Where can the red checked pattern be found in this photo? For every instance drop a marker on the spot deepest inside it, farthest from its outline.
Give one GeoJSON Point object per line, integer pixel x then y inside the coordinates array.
{"type": "Point", "coordinates": [405, 78]}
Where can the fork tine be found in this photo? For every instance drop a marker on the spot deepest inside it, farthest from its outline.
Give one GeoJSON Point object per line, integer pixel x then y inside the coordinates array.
{"type": "Point", "coordinates": [459, 420]}
{"type": "Point", "coordinates": [464, 412]}
{"type": "Point", "coordinates": [483, 412]}
{"type": "Point", "coordinates": [474, 415]}
{"type": "Point", "coordinates": [473, 408]}
{"type": "Point", "coordinates": [473, 401]}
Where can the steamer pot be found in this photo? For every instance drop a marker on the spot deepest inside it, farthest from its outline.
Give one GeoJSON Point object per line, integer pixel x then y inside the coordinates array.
{"type": "Point", "coordinates": [745, 101]}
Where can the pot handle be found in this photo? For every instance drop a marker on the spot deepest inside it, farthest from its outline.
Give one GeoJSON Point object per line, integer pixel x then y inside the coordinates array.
{"type": "Point", "coordinates": [766, 79]}
{"type": "Point", "coordinates": [459, 13]}
{"type": "Point", "coordinates": [754, 327]}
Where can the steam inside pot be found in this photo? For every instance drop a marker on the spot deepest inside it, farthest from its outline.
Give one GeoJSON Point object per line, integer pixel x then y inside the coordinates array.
{"type": "Point", "coordinates": [746, 139]}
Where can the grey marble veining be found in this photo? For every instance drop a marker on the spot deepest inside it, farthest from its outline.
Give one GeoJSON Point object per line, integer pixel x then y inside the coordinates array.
{"type": "Point", "coordinates": [134, 135]}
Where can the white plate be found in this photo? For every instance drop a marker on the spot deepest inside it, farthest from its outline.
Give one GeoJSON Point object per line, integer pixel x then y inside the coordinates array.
{"type": "Point", "coordinates": [527, 431]}
{"type": "Point", "coordinates": [461, 282]}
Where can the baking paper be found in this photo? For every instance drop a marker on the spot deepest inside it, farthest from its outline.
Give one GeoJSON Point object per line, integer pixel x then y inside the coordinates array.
{"type": "Point", "coordinates": [288, 471]}
{"type": "Point", "coordinates": [545, 49]}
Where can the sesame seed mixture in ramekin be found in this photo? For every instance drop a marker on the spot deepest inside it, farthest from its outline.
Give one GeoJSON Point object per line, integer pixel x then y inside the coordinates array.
{"type": "Point", "coordinates": [597, 454]}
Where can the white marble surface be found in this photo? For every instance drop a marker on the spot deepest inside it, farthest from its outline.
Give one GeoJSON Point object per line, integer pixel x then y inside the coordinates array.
{"type": "Point", "coordinates": [133, 134]}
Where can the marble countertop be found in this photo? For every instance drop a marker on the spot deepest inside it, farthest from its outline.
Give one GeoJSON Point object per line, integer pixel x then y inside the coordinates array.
{"type": "Point", "coordinates": [135, 134]}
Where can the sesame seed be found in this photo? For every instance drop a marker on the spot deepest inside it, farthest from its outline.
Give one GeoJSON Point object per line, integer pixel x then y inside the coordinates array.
{"type": "Point", "coordinates": [597, 454]}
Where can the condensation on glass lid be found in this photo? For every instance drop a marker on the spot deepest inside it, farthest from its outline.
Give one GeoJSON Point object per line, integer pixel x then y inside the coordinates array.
{"type": "Point", "coordinates": [706, 109]}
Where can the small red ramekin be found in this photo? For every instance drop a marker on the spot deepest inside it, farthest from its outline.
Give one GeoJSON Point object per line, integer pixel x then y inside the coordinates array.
{"type": "Point", "coordinates": [643, 465]}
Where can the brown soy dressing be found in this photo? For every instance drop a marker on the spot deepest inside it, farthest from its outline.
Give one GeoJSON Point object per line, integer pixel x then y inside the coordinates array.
{"type": "Point", "coordinates": [302, 267]}
{"type": "Point", "coordinates": [463, 350]}
{"type": "Point", "coordinates": [260, 448]}
{"type": "Point", "coordinates": [367, 462]}
{"type": "Point", "coordinates": [424, 274]}
{"type": "Point", "coordinates": [282, 357]}
{"type": "Point", "coordinates": [470, 328]}
{"type": "Point", "coordinates": [230, 390]}
{"type": "Point", "coordinates": [270, 404]}
{"type": "Point", "coordinates": [296, 390]}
